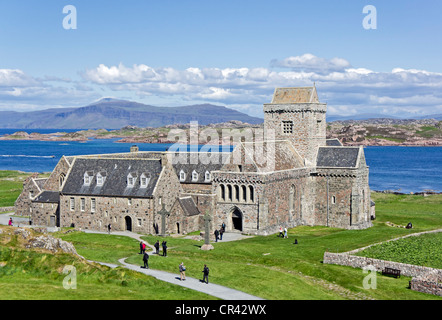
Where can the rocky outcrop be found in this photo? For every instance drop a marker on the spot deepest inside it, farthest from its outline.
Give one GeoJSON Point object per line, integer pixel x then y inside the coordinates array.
{"type": "Point", "coordinates": [52, 244]}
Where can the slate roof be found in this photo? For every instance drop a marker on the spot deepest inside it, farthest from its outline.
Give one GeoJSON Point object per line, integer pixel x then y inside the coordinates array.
{"type": "Point", "coordinates": [200, 162]}
{"type": "Point", "coordinates": [337, 157]}
{"type": "Point", "coordinates": [281, 153]}
{"type": "Point", "coordinates": [189, 206]}
{"type": "Point", "coordinates": [116, 174]}
{"type": "Point", "coordinates": [333, 142]}
{"type": "Point", "coordinates": [295, 95]}
{"type": "Point", "coordinates": [47, 197]}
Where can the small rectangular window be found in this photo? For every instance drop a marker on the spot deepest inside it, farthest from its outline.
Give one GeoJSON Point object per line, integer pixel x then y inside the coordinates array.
{"type": "Point", "coordinates": [82, 204]}
{"type": "Point", "coordinates": [72, 204]}
{"type": "Point", "coordinates": [287, 127]}
{"type": "Point", "coordinates": [93, 205]}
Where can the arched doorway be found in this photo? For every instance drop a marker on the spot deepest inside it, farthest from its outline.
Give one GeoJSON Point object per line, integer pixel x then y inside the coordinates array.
{"type": "Point", "coordinates": [128, 221]}
{"type": "Point", "coordinates": [236, 219]}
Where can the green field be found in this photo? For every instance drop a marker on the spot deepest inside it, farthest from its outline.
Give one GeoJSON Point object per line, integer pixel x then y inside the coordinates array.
{"type": "Point", "coordinates": [265, 266]}
{"type": "Point", "coordinates": [424, 250]}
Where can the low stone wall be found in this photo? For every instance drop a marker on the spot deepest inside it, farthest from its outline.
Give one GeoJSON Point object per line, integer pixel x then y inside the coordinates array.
{"type": "Point", "coordinates": [427, 280]}
{"type": "Point", "coordinates": [345, 259]}
{"type": "Point", "coordinates": [430, 282]}
{"type": "Point", "coordinates": [6, 209]}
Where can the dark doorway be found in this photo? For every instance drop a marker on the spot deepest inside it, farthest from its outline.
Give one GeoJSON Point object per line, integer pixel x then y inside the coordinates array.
{"type": "Point", "coordinates": [128, 223]}
{"type": "Point", "coordinates": [237, 220]}
{"type": "Point", "coordinates": [177, 228]}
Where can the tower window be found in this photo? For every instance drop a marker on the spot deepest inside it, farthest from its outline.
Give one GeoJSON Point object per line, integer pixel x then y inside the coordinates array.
{"type": "Point", "coordinates": [287, 127]}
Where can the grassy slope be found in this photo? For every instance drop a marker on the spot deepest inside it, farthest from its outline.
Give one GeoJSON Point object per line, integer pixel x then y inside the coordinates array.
{"type": "Point", "coordinates": [270, 267]}
{"type": "Point", "coordinates": [29, 275]}
{"type": "Point", "coordinates": [275, 268]}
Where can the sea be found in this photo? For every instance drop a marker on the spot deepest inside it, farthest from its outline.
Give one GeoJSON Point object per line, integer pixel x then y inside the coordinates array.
{"type": "Point", "coordinates": [397, 169]}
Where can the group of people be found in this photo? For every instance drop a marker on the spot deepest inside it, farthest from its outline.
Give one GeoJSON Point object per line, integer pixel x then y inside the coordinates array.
{"type": "Point", "coordinates": [219, 233]}
{"type": "Point", "coordinates": [283, 233]}
{"type": "Point", "coordinates": [182, 268]}
{"type": "Point", "coordinates": [205, 272]}
{"type": "Point", "coordinates": [157, 251]}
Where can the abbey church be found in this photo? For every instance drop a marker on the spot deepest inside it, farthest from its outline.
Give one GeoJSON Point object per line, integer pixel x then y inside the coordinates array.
{"type": "Point", "coordinates": [293, 177]}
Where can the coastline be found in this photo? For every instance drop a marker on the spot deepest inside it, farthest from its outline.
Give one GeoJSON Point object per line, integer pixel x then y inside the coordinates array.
{"type": "Point", "coordinates": [159, 135]}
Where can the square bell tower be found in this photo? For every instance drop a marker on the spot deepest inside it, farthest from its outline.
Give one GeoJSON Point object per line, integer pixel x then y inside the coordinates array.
{"type": "Point", "coordinates": [296, 114]}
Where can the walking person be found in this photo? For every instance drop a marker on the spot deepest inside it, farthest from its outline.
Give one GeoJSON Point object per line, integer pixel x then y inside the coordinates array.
{"type": "Point", "coordinates": [109, 227]}
{"type": "Point", "coordinates": [141, 247]}
{"type": "Point", "coordinates": [216, 235]}
{"type": "Point", "coordinates": [221, 232]}
{"type": "Point", "coordinates": [10, 222]}
{"type": "Point", "coordinates": [285, 233]}
{"type": "Point", "coordinates": [205, 274]}
{"type": "Point", "coordinates": [164, 248]}
{"type": "Point", "coordinates": [146, 260]}
{"type": "Point", "coordinates": [280, 232]}
{"type": "Point", "coordinates": [182, 272]}
{"type": "Point", "coordinates": [157, 247]}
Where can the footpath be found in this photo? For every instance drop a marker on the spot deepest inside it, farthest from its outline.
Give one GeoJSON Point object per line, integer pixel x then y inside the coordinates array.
{"type": "Point", "coordinates": [212, 289]}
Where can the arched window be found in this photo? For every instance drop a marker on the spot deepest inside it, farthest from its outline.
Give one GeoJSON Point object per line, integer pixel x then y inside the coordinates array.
{"type": "Point", "coordinates": [244, 194]}
{"type": "Point", "coordinates": [61, 179]}
{"type": "Point", "coordinates": [251, 194]}
{"type": "Point", "coordinates": [229, 192]}
{"type": "Point", "coordinates": [222, 192]}
{"type": "Point", "coordinates": [236, 193]}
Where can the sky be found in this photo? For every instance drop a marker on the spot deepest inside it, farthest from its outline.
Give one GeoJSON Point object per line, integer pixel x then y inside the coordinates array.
{"type": "Point", "coordinates": [386, 60]}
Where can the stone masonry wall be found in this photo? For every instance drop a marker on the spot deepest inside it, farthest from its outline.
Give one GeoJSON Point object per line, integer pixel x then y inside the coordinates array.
{"type": "Point", "coordinates": [113, 210]}
{"type": "Point", "coordinates": [23, 204]}
{"type": "Point", "coordinates": [309, 125]}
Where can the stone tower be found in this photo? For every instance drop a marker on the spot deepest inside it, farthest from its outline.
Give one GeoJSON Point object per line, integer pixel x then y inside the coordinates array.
{"type": "Point", "coordinates": [296, 114]}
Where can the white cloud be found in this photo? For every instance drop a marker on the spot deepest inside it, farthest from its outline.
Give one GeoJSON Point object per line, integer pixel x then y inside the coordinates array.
{"type": "Point", "coordinates": [345, 88]}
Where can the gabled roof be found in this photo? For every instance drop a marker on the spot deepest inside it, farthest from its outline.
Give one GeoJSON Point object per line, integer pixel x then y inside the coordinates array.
{"type": "Point", "coordinates": [295, 95]}
{"type": "Point", "coordinates": [117, 171]}
{"type": "Point", "coordinates": [47, 197]}
{"type": "Point", "coordinates": [333, 142]}
{"type": "Point", "coordinates": [189, 206]}
{"type": "Point", "coordinates": [337, 157]}
{"type": "Point", "coordinates": [273, 155]}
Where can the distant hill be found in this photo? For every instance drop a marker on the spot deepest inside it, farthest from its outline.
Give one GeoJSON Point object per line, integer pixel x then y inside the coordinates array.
{"type": "Point", "coordinates": [368, 116]}
{"type": "Point", "coordinates": [114, 114]}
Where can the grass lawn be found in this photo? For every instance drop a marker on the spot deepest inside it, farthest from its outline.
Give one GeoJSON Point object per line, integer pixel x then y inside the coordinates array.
{"type": "Point", "coordinates": [32, 275]}
{"type": "Point", "coordinates": [265, 266]}
{"type": "Point", "coordinates": [275, 268]}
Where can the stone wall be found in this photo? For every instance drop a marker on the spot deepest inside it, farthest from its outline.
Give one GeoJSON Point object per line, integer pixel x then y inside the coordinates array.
{"type": "Point", "coordinates": [57, 177]}
{"type": "Point", "coordinates": [23, 204]}
{"type": "Point", "coordinates": [425, 279]}
{"type": "Point", "coordinates": [45, 214]}
{"type": "Point", "coordinates": [345, 259]}
{"type": "Point", "coordinates": [430, 282]}
{"type": "Point", "coordinates": [309, 125]}
{"type": "Point", "coordinates": [108, 210]}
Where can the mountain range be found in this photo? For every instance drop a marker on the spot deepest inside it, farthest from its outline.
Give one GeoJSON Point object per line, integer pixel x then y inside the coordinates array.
{"type": "Point", "coordinates": [111, 113]}
{"type": "Point", "coordinates": [114, 114]}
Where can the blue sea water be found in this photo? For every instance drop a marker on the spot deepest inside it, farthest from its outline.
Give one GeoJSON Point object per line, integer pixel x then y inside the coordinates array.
{"type": "Point", "coordinates": [403, 169]}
